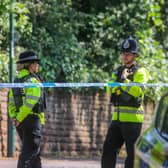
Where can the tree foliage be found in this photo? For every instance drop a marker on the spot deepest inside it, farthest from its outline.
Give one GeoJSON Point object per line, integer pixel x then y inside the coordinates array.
{"type": "Point", "coordinates": [22, 25]}
{"type": "Point", "coordinates": [79, 40]}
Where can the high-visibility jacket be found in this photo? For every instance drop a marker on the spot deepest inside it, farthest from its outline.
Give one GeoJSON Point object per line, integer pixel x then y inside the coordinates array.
{"type": "Point", "coordinates": [30, 99]}
{"type": "Point", "coordinates": [128, 100]}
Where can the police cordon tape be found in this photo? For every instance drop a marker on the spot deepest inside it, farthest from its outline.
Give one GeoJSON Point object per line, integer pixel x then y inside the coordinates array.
{"type": "Point", "coordinates": [77, 85]}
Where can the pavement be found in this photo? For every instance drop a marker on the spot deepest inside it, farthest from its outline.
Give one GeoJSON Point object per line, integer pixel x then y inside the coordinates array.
{"type": "Point", "coordinates": [51, 163]}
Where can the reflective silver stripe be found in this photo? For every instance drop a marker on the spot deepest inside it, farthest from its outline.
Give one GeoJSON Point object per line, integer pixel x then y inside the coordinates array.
{"type": "Point", "coordinates": [129, 111]}
{"type": "Point", "coordinates": [11, 103]}
{"type": "Point", "coordinates": [112, 79]}
{"type": "Point", "coordinates": [11, 99]}
{"type": "Point", "coordinates": [29, 105]}
{"type": "Point", "coordinates": [29, 58]}
{"type": "Point", "coordinates": [32, 97]}
{"type": "Point", "coordinates": [143, 88]}
{"type": "Point", "coordinates": [128, 88]}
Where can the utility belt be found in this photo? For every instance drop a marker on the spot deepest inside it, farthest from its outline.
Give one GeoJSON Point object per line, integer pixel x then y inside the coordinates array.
{"type": "Point", "coordinates": [125, 99]}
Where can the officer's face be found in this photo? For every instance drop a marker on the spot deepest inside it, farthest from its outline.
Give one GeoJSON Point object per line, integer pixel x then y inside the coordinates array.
{"type": "Point", "coordinates": [127, 58]}
{"type": "Point", "coordinates": [34, 67]}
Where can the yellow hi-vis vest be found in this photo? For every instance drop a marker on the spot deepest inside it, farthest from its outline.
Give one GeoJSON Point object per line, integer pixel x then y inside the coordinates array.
{"type": "Point", "coordinates": [29, 100]}
{"type": "Point", "coordinates": [128, 106]}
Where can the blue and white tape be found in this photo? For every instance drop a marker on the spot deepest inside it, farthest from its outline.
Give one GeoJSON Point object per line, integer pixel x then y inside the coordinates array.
{"type": "Point", "coordinates": [78, 85]}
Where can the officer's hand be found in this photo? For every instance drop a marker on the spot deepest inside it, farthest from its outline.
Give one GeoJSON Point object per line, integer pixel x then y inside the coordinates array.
{"type": "Point", "coordinates": [126, 73]}
{"type": "Point", "coordinates": [15, 122]}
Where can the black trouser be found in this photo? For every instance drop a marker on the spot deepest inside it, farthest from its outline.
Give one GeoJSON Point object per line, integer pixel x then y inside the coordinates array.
{"type": "Point", "coordinates": [118, 133]}
{"type": "Point", "coordinates": [30, 134]}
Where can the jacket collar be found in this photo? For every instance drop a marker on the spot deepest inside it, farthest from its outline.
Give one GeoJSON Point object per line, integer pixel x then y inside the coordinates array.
{"type": "Point", "coordinates": [23, 72]}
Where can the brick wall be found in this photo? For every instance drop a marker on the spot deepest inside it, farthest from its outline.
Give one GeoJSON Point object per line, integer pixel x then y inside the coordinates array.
{"type": "Point", "coordinates": [76, 123]}
{"type": "Point", "coordinates": [3, 122]}
{"type": "Point", "coordinates": [3, 125]}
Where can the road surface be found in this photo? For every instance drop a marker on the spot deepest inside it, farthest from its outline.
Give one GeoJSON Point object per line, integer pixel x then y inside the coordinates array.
{"type": "Point", "coordinates": [51, 163]}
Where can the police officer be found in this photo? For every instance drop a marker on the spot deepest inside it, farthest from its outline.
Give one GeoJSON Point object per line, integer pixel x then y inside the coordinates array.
{"type": "Point", "coordinates": [26, 108]}
{"type": "Point", "coordinates": [128, 113]}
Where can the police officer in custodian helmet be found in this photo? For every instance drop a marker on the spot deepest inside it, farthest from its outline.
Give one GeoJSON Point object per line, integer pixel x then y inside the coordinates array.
{"type": "Point", "coordinates": [128, 113]}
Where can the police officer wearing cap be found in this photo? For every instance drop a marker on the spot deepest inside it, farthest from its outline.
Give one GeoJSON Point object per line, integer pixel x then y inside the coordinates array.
{"type": "Point", "coordinates": [26, 109]}
{"type": "Point", "coordinates": [128, 113]}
